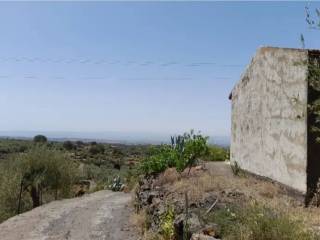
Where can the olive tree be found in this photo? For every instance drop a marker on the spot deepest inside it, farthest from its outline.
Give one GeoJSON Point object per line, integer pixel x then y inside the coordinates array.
{"type": "Point", "coordinates": [46, 170]}
{"type": "Point", "coordinates": [68, 145]}
{"type": "Point", "coordinates": [40, 139]}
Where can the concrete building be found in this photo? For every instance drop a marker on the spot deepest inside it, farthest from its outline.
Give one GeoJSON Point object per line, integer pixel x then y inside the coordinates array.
{"type": "Point", "coordinates": [271, 129]}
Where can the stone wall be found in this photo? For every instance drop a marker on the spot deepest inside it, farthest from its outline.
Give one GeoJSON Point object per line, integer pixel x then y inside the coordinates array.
{"type": "Point", "coordinates": [269, 117]}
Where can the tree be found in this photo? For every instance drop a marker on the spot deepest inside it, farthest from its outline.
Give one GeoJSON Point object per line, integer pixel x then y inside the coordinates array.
{"type": "Point", "coordinates": [68, 145]}
{"type": "Point", "coordinates": [96, 149]}
{"type": "Point", "coordinates": [40, 139]}
{"type": "Point", "coordinates": [116, 152]}
{"type": "Point", "coordinates": [313, 20]}
{"type": "Point", "coordinates": [79, 143]}
{"type": "Point", "coordinates": [191, 147]}
{"type": "Point", "coordinates": [184, 152]}
{"type": "Point", "coordinates": [10, 179]}
{"type": "Point", "coordinates": [45, 170]}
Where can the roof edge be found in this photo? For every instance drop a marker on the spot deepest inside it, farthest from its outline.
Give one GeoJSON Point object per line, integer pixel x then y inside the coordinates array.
{"type": "Point", "coordinates": [264, 48]}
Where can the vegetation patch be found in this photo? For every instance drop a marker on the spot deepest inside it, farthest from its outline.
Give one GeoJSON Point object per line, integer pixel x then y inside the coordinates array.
{"type": "Point", "coordinates": [226, 206]}
{"type": "Point", "coordinates": [184, 152]}
{"type": "Point", "coordinates": [254, 221]}
{"type": "Point", "coordinates": [217, 153]}
{"type": "Point", "coordinates": [37, 171]}
{"type": "Point", "coordinates": [167, 224]}
{"type": "Point", "coordinates": [31, 178]}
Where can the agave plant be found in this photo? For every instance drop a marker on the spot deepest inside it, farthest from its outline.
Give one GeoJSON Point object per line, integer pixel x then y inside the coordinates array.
{"type": "Point", "coordinates": [116, 185]}
{"type": "Point", "coordinates": [177, 143]}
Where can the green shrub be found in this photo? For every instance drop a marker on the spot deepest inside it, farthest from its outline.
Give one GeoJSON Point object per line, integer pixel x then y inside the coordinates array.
{"type": "Point", "coordinates": [43, 169]}
{"type": "Point", "coordinates": [132, 177]}
{"type": "Point", "coordinates": [79, 143]}
{"type": "Point", "coordinates": [104, 174]}
{"type": "Point", "coordinates": [96, 149]}
{"type": "Point", "coordinates": [254, 222]}
{"type": "Point", "coordinates": [195, 147]}
{"type": "Point", "coordinates": [10, 179]}
{"type": "Point", "coordinates": [68, 145]}
{"type": "Point", "coordinates": [217, 153]}
{"type": "Point", "coordinates": [184, 152]}
{"type": "Point", "coordinates": [91, 171]}
{"type": "Point", "coordinates": [14, 146]}
{"type": "Point", "coordinates": [118, 153]}
{"type": "Point", "coordinates": [28, 178]}
{"type": "Point", "coordinates": [40, 139]}
{"type": "Point", "coordinates": [159, 160]}
{"type": "Point", "coordinates": [167, 224]}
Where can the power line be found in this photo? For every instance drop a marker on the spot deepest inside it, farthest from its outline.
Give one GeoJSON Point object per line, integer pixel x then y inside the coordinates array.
{"type": "Point", "coordinates": [183, 78]}
{"type": "Point", "coordinates": [113, 62]}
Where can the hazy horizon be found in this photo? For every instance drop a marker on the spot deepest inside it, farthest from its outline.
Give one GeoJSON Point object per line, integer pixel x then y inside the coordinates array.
{"type": "Point", "coordinates": [110, 136]}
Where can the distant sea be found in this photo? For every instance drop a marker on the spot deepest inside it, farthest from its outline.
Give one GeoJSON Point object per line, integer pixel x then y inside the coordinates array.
{"type": "Point", "coordinates": [107, 137]}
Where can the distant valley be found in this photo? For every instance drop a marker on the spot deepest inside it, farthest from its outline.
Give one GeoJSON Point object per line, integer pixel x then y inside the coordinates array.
{"type": "Point", "coordinates": [106, 137]}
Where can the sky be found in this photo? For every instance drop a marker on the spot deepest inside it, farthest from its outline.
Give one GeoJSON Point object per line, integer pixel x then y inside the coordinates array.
{"type": "Point", "coordinates": [145, 67]}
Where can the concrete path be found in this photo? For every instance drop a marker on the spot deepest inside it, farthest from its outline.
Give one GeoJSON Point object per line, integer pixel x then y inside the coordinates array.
{"type": "Point", "coordinates": [102, 215]}
{"type": "Point", "coordinates": [219, 169]}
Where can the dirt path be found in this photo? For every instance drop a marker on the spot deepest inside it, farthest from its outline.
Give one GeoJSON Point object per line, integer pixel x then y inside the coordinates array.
{"type": "Point", "coordinates": [102, 215]}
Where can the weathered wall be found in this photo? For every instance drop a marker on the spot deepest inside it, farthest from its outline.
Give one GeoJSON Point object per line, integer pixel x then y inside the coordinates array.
{"type": "Point", "coordinates": [269, 117]}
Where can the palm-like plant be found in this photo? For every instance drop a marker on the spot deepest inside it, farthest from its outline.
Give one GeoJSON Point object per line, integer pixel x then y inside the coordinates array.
{"type": "Point", "coordinates": [42, 170]}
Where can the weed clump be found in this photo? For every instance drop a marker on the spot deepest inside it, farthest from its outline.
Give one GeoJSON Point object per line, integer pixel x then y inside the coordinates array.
{"type": "Point", "coordinates": [167, 224]}
{"type": "Point", "coordinates": [253, 222]}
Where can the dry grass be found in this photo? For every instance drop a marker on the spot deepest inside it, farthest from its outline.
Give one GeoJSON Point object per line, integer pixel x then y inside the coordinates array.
{"type": "Point", "coordinates": [230, 190]}
{"type": "Point", "coordinates": [195, 186]}
{"type": "Point", "coordinates": [264, 192]}
{"type": "Point", "coordinates": [149, 235]}
{"type": "Point", "coordinates": [254, 221]}
{"type": "Point", "coordinates": [249, 186]}
{"type": "Point", "coordinates": [169, 176]}
{"type": "Point", "coordinates": [139, 220]}
{"type": "Point", "coordinates": [268, 190]}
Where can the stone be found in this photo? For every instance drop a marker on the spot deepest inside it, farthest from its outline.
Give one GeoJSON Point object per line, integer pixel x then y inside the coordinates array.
{"type": "Point", "coordinates": [152, 195]}
{"type": "Point", "coordinates": [200, 236]}
{"type": "Point", "coordinates": [156, 201]}
{"type": "Point", "coordinates": [161, 209]}
{"type": "Point", "coordinates": [211, 230]}
{"type": "Point", "coordinates": [193, 222]}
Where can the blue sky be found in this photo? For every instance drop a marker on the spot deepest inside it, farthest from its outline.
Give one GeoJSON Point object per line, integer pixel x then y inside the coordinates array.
{"type": "Point", "coordinates": [133, 67]}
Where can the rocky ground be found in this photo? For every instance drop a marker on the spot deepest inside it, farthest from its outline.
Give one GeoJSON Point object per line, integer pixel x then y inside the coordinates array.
{"type": "Point", "coordinates": [207, 189]}
{"type": "Point", "coordinates": [97, 216]}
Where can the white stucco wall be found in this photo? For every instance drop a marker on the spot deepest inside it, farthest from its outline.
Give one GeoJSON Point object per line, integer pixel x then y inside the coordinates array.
{"type": "Point", "coordinates": [269, 117]}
